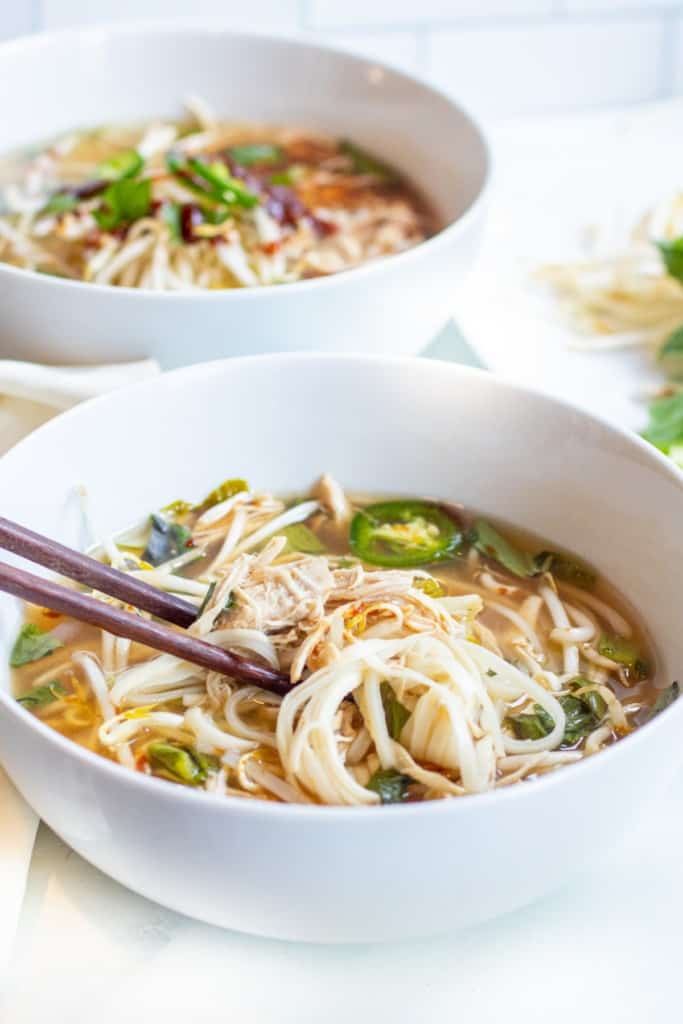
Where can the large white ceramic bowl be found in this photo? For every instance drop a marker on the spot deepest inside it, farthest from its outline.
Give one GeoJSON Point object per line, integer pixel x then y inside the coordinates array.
{"type": "Point", "coordinates": [412, 426]}
{"type": "Point", "coordinates": [121, 74]}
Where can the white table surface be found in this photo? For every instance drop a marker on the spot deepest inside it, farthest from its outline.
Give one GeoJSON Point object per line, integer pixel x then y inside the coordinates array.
{"type": "Point", "coordinates": [606, 948]}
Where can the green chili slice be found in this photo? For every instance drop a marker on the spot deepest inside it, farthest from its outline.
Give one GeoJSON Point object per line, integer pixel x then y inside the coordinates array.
{"type": "Point", "coordinates": [179, 764]}
{"type": "Point", "coordinates": [404, 533]}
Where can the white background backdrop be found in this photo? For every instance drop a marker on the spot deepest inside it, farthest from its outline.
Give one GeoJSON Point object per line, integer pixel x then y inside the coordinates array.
{"type": "Point", "coordinates": [499, 56]}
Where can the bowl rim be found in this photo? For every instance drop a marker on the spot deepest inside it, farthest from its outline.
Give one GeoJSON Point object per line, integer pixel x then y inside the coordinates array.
{"type": "Point", "coordinates": [182, 27]}
{"type": "Point", "coordinates": [272, 810]}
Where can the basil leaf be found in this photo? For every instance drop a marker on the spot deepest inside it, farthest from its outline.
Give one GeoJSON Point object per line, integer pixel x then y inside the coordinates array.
{"type": "Point", "coordinates": [673, 346]}
{"type": "Point", "coordinates": [666, 422]}
{"type": "Point", "coordinates": [531, 726]}
{"type": "Point", "coordinates": [672, 257]}
{"type": "Point", "coordinates": [221, 493]}
{"type": "Point", "coordinates": [166, 540]}
{"type": "Point", "coordinates": [301, 538]}
{"type": "Point", "coordinates": [565, 568]}
{"type": "Point", "coordinates": [580, 720]}
{"type": "Point", "coordinates": [665, 699]}
{"type": "Point", "coordinates": [624, 652]}
{"type": "Point", "coordinates": [124, 201]}
{"type": "Point", "coordinates": [41, 695]}
{"type": "Point", "coordinates": [490, 543]}
{"type": "Point", "coordinates": [396, 714]}
{"type": "Point", "coordinates": [582, 716]}
{"type": "Point", "coordinates": [32, 644]}
{"type": "Point", "coordinates": [122, 165]}
{"type": "Point", "coordinates": [177, 763]}
{"type": "Point", "coordinates": [391, 786]}
{"type": "Point", "coordinates": [595, 702]}
{"type": "Point", "coordinates": [256, 153]}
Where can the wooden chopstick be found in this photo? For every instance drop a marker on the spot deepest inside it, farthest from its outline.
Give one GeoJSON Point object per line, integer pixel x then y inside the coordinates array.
{"type": "Point", "coordinates": [84, 569]}
{"type": "Point", "coordinates": [49, 594]}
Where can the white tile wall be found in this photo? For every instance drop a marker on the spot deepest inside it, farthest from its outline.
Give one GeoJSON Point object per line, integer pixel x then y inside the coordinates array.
{"type": "Point", "coordinates": [278, 15]}
{"type": "Point", "coordinates": [401, 49]}
{"type": "Point", "coordinates": [332, 13]}
{"type": "Point", "coordinates": [499, 56]}
{"type": "Point", "coordinates": [549, 67]}
{"type": "Point", "coordinates": [16, 18]}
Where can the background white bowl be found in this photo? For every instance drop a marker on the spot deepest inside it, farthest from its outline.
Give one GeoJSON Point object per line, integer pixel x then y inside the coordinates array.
{"type": "Point", "coordinates": [392, 426]}
{"type": "Point", "coordinates": [137, 72]}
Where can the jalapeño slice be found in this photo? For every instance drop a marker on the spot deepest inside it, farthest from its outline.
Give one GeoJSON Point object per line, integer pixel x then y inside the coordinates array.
{"type": "Point", "coordinates": [404, 533]}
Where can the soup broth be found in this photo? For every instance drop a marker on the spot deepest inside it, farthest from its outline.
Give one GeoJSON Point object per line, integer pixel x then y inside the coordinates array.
{"type": "Point", "coordinates": [432, 653]}
{"type": "Point", "coordinates": [203, 203]}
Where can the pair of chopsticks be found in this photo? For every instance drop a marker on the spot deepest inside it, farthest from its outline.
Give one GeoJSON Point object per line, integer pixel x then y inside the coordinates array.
{"type": "Point", "coordinates": [86, 570]}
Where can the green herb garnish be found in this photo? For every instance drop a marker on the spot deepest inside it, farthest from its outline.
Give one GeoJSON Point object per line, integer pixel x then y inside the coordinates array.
{"type": "Point", "coordinates": [41, 695]}
{"type": "Point", "coordinates": [301, 538]}
{"type": "Point", "coordinates": [672, 347]}
{"type": "Point", "coordinates": [32, 644]}
{"type": "Point", "coordinates": [665, 429]}
{"type": "Point", "coordinates": [395, 712]}
{"type": "Point", "coordinates": [672, 256]}
{"type": "Point", "coordinates": [582, 716]}
{"type": "Point", "coordinates": [580, 719]}
{"type": "Point", "coordinates": [364, 163]}
{"type": "Point", "coordinates": [166, 540]}
{"type": "Point", "coordinates": [489, 542]}
{"type": "Point", "coordinates": [289, 176]}
{"type": "Point", "coordinates": [665, 699]}
{"type": "Point", "coordinates": [531, 726]}
{"type": "Point", "coordinates": [624, 652]}
{"type": "Point", "coordinates": [60, 202]}
{"type": "Point", "coordinates": [391, 786]}
{"type": "Point", "coordinates": [207, 597]}
{"type": "Point", "coordinates": [124, 201]}
{"type": "Point", "coordinates": [256, 153]}
{"type": "Point", "coordinates": [565, 568]}
{"type": "Point", "coordinates": [122, 165]}
{"type": "Point", "coordinates": [171, 216]}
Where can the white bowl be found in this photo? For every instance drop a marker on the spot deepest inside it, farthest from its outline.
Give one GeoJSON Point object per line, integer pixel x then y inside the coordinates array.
{"type": "Point", "coordinates": [105, 75]}
{"type": "Point", "coordinates": [392, 426]}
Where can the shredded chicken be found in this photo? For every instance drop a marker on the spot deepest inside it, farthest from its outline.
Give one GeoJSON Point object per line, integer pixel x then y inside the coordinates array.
{"type": "Point", "coordinates": [440, 686]}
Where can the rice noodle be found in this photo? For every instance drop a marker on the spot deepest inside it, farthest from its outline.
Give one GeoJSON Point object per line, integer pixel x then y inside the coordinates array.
{"type": "Point", "coordinates": [457, 692]}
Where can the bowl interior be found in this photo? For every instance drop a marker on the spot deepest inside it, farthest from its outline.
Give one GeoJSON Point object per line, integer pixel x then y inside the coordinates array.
{"type": "Point", "coordinates": [93, 77]}
{"type": "Point", "coordinates": [400, 426]}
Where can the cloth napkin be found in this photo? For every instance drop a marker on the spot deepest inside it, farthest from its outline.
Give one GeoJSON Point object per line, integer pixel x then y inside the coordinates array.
{"type": "Point", "coordinates": [29, 396]}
